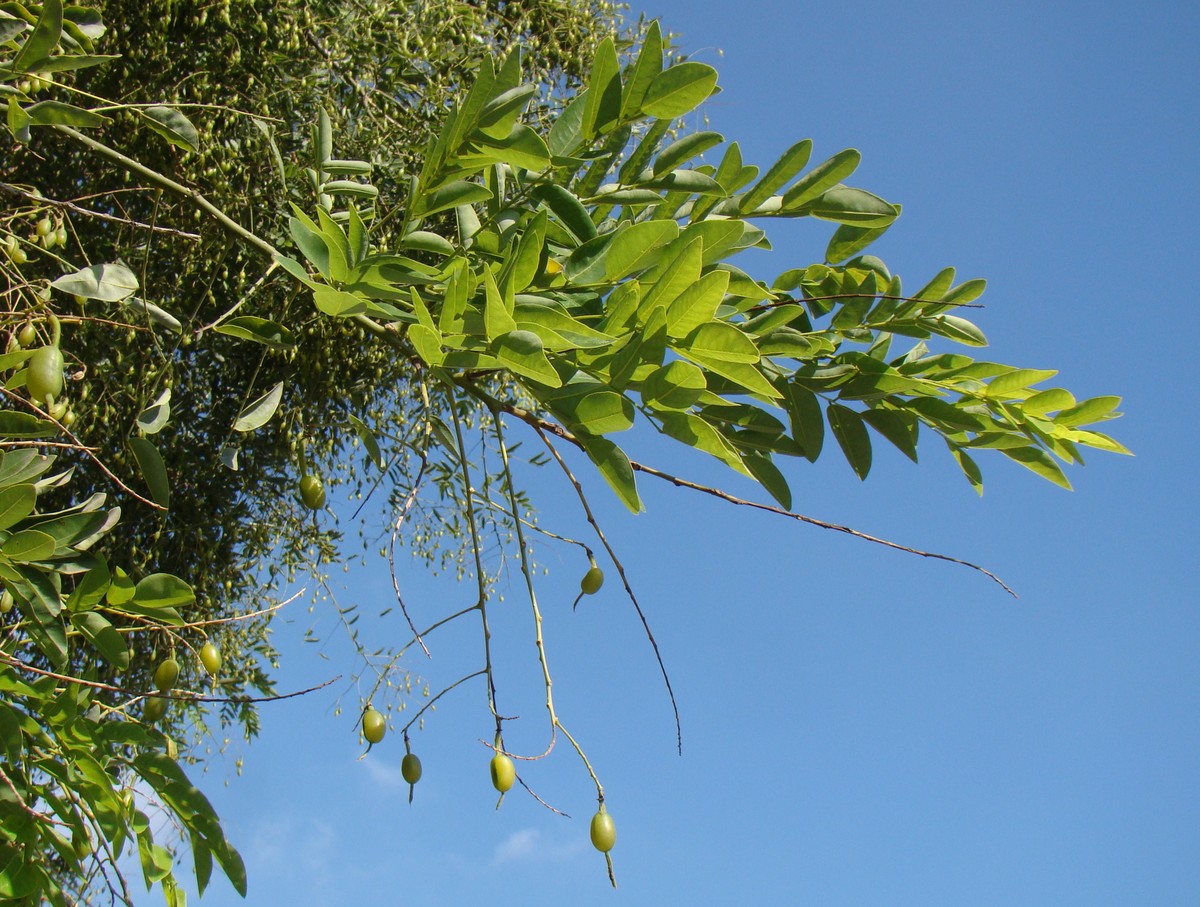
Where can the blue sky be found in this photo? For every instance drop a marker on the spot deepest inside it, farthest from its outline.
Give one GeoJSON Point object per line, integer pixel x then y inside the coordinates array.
{"type": "Point", "coordinates": [861, 727]}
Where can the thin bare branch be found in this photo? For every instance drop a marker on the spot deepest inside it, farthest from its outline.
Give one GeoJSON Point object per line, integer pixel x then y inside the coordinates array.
{"type": "Point", "coordinates": [98, 215]}
{"type": "Point", "coordinates": [591, 518]}
{"type": "Point", "coordinates": [183, 696]}
{"type": "Point", "coordinates": [537, 422]}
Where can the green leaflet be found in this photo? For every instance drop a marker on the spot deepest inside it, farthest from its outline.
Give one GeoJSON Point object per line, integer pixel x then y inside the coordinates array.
{"type": "Point", "coordinates": [677, 385]}
{"type": "Point", "coordinates": [524, 353]}
{"type": "Point", "coordinates": [172, 126]}
{"type": "Point", "coordinates": [614, 465]}
{"type": "Point", "coordinates": [679, 89]}
{"type": "Point", "coordinates": [684, 149]}
{"type": "Point", "coordinates": [780, 173]}
{"type": "Point", "coordinates": [153, 469]}
{"type": "Point", "coordinates": [694, 431]}
{"type": "Point", "coordinates": [258, 330]}
{"type": "Point", "coordinates": [637, 248]}
{"type": "Point", "coordinates": [851, 434]}
{"type": "Point", "coordinates": [259, 412]}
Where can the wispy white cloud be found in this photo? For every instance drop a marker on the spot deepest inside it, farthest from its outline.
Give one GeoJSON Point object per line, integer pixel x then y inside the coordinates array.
{"type": "Point", "coordinates": [277, 844]}
{"type": "Point", "coordinates": [384, 773]}
{"type": "Point", "coordinates": [528, 844]}
{"type": "Point", "coordinates": [519, 845]}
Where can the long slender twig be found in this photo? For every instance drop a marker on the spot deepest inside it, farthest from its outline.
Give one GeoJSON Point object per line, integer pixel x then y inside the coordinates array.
{"type": "Point", "coordinates": [98, 215]}
{"type": "Point", "coordinates": [415, 718]}
{"type": "Point", "coordinates": [591, 518]}
{"type": "Point", "coordinates": [171, 185]}
{"type": "Point", "coordinates": [553, 428]}
{"type": "Point", "coordinates": [409, 501]}
{"type": "Point", "coordinates": [481, 605]}
{"type": "Point", "coordinates": [185, 696]}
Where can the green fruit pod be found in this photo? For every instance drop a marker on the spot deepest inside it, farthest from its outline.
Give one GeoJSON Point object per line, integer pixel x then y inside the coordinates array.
{"type": "Point", "coordinates": [312, 492]}
{"type": "Point", "coordinates": [154, 709]}
{"type": "Point", "coordinates": [603, 831]}
{"type": "Point", "coordinates": [592, 581]}
{"type": "Point", "coordinates": [210, 657]}
{"type": "Point", "coordinates": [373, 725]}
{"type": "Point", "coordinates": [166, 674]}
{"type": "Point", "coordinates": [504, 775]}
{"type": "Point", "coordinates": [410, 768]}
{"type": "Point", "coordinates": [44, 375]}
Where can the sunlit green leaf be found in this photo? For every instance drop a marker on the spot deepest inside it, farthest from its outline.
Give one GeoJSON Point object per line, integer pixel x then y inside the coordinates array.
{"type": "Point", "coordinates": [851, 436]}
{"type": "Point", "coordinates": [16, 503]}
{"type": "Point", "coordinates": [109, 282]}
{"type": "Point", "coordinates": [680, 89]}
{"type": "Point", "coordinates": [1040, 462]}
{"type": "Point", "coordinates": [614, 465]}
{"type": "Point", "coordinates": [524, 353]}
{"type": "Point", "coordinates": [153, 470]}
{"type": "Point", "coordinates": [781, 172]}
{"type": "Point", "coordinates": [101, 634]}
{"type": "Point", "coordinates": [172, 126]}
{"type": "Point", "coordinates": [769, 477]}
{"type": "Point", "coordinates": [41, 42]}
{"type": "Point", "coordinates": [162, 590]}
{"type": "Point", "coordinates": [259, 330]}
{"type": "Point", "coordinates": [693, 430]}
{"type": "Point", "coordinates": [451, 195]}
{"type": "Point", "coordinates": [259, 412]}
{"type": "Point", "coordinates": [59, 113]}
{"type": "Point", "coordinates": [637, 248]}
{"type": "Point", "coordinates": [28, 545]}
{"type": "Point", "coordinates": [824, 176]}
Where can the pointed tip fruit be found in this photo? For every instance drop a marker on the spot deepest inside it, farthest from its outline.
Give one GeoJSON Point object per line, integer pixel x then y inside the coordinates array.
{"type": "Point", "coordinates": [210, 657]}
{"type": "Point", "coordinates": [604, 832]}
{"type": "Point", "coordinates": [373, 725]}
{"type": "Point", "coordinates": [592, 581]}
{"type": "Point", "coordinates": [503, 773]}
{"type": "Point", "coordinates": [165, 674]}
{"type": "Point", "coordinates": [410, 768]}
{"type": "Point", "coordinates": [312, 492]}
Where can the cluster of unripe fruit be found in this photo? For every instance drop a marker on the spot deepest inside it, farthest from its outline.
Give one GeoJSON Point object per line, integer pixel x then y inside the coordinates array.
{"type": "Point", "coordinates": [167, 673]}
{"type": "Point", "coordinates": [504, 775]}
{"type": "Point", "coordinates": [46, 233]}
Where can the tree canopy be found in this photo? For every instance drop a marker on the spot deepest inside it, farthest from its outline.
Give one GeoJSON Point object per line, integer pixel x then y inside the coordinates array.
{"type": "Point", "coordinates": [234, 276]}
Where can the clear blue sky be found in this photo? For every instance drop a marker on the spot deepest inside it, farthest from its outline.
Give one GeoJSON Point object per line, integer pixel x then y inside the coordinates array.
{"type": "Point", "coordinates": [860, 727]}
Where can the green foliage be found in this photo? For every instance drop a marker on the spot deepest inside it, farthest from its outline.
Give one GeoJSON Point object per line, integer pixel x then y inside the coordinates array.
{"type": "Point", "coordinates": [602, 291]}
{"type": "Point", "coordinates": [73, 747]}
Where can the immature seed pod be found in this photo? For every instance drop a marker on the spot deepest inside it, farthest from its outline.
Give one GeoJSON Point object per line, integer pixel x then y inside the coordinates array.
{"type": "Point", "coordinates": [312, 492]}
{"type": "Point", "coordinates": [210, 657]}
{"type": "Point", "coordinates": [154, 709]}
{"type": "Point", "coordinates": [592, 581]}
{"type": "Point", "coordinates": [166, 674]}
{"type": "Point", "coordinates": [504, 775]}
{"type": "Point", "coordinates": [6, 602]}
{"type": "Point", "coordinates": [44, 376]}
{"type": "Point", "coordinates": [373, 725]}
{"type": "Point", "coordinates": [410, 768]}
{"type": "Point", "coordinates": [603, 831]}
